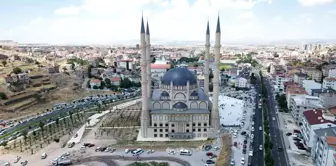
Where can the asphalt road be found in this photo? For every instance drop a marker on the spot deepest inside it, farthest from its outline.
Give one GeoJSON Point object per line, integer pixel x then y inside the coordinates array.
{"type": "Point", "coordinates": [276, 135]}
{"type": "Point", "coordinates": [258, 155]}
{"type": "Point", "coordinates": [108, 160]}
{"type": "Point", "coordinates": [53, 114]}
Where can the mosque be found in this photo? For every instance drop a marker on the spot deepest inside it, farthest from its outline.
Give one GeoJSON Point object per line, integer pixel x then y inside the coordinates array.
{"type": "Point", "coordinates": [179, 109]}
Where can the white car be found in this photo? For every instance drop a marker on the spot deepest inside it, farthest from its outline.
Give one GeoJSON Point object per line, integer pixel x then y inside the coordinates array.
{"type": "Point", "coordinates": [171, 152]}
{"type": "Point", "coordinates": [242, 160]}
{"type": "Point", "coordinates": [250, 153]}
{"type": "Point", "coordinates": [252, 129]}
{"type": "Point", "coordinates": [260, 147]}
{"type": "Point", "coordinates": [260, 128]}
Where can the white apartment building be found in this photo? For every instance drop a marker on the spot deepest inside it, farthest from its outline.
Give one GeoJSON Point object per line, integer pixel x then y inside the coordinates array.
{"type": "Point", "coordinates": [299, 77]}
{"type": "Point", "coordinates": [241, 82]}
{"type": "Point", "coordinates": [313, 120]}
{"type": "Point", "coordinates": [299, 104]}
{"type": "Point", "coordinates": [332, 73]}
{"type": "Point", "coordinates": [324, 150]}
{"type": "Point", "coordinates": [279, 83]}
{"type": "Point", "coordinates": [329, 83]}
{"type": "Point", "coordinates": [308, 85]}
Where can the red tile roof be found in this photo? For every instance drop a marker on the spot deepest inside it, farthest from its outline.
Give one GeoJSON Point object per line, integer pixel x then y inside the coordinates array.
{"type": "Point", "coordinates": [160, 66]}
{"type": "Point", "coordinates": [315, 117]}
{"type": "Point", "coordinates": [331, 141]}
{"type": "Point", "coordinates": [115, 79]}
{"type": "Point", "coordinates": [95, 81]}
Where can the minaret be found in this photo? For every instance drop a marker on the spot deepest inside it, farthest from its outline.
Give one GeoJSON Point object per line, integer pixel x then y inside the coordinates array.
{"type": "Point", "coordinates": [206, 59]}
{"type": "Point", "coordinates": [144, 110]}
{"type": "Point", "coordinates": [149, 61]}
{"type": "Point", "coordinates": [214, 112]}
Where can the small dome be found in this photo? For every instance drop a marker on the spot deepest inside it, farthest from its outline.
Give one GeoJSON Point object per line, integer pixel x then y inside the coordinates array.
{"type": "Point", "coordinates": [179, 76]}
{"type": "Point", "coordinates": [180, 105]}
{"type": "Point", "coordinates": [194, 93]}
{"type": "Point", "coordinates": [164, 94]}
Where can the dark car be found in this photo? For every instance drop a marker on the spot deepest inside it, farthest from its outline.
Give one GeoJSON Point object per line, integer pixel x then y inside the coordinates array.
{"type": "Point", "coordinates": [207, 147]}
{"type": "Point", "coordinates": [288, 134]}
{"type": "Point", "coordinates": [70, 145]}
{"type": "Point", "coordinates": [244, 151]}
{"type": "Point", "coordinates": [235, 144]}
{"type": "Point", "coordinates": [245, 141]}
{"type": "Point", "coordinates": [280, 149]}
{"type": "Point", "coordinates": [243, 133]}
{"type": "Point", "coordinates": [210, 162]}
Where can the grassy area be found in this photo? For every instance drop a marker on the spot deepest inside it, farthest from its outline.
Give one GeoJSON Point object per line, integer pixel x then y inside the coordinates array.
{"type": "Point", "coordinates": [224, 67]}
{"type": "Point", "coordinates": [34, 124]}
{"type": "Point", "coordinates": [225, 153]}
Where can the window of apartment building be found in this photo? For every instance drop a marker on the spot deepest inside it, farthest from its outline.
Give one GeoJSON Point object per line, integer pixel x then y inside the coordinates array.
{"type": "Point", "coordinates": [199, 124]}
{"type": "Point", "coordinates": [187, 130]}
{"type": "Point", "coordinates": [172, 125]}
{"type": "Point", "coordinates": [155, 125]}
{"type": "Point", "coordinates": [166, 130]}
{"type": "Point", "coordinates": [205, 124]}
{"type": "Point", "coordinates": [173, 131]}
{"type": "Point", "coordinates": [193, 130]}
{"type": "Point", "coordinates": [155, 130]}
{"type": "Point", "coordinates": [161, 124]}
{"type": "Point", "coordinates": [194, 124]}
{"type": "Point", "coordinates": [155, 135]}
{"type": "Point", "coordinates": [205, 129]}
{"type": "Point", "coordinates": [166, 135]}
{"type": "Point", "coordinates": [187, 124]}
{"type": "Point", "coordinates": [199, 130]}
{"type": "Point", "coordinates": [161, 135]}
{"type": "Point", "coordinates": [161, 130]}
{"type": "Point", "coordinates": [166, 124]}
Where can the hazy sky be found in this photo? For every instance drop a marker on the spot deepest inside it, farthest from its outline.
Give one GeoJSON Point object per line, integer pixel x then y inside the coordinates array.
{"type": "Point", "coordinates": [110, 21]}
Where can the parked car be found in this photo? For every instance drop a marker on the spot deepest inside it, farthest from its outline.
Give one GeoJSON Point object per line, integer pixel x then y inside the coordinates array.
{"type": "Point", "coordinates": [17, 159]}
{"type": "Point", "coordinates": [44, 156]}
{"type": "Point", "coordinates": [24, 163]}
{"type": "Point", "coordinates": [210, 162]}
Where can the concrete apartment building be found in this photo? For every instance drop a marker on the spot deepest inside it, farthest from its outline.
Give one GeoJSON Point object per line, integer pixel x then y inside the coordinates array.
{"type": "Point", "coordinates": [299, 77]}
{"type": "Point", "coordinates": [309, 85]}
{"type": "Point", "coordinates": [294, 90]}
{"type": "Point", "coordinates": [280, 80]}
{"type": "Point", "coordinates": [313, 120]}
{"type": "Point", "coordinates": [324, 149]}
{"type": "Point", "coordinates": [299, 104]}
{"type": "Point", "coordinates": [329, 83]}
{"type": "Point", "coordinates": [313, 73]}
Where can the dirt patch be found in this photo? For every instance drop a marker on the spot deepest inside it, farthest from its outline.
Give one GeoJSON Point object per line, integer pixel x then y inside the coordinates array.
{"type": "Point", "coordinates": [225, 153]}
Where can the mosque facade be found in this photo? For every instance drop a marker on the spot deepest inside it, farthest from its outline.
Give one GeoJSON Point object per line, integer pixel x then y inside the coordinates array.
{"type": "Point", "coordinates": [179, 109]}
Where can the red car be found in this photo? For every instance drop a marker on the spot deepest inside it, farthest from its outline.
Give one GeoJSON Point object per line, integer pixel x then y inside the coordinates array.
{"type": "Point", "coordinates": [209, 154]}
{"type": "Point", "coordinates": [91, 145]}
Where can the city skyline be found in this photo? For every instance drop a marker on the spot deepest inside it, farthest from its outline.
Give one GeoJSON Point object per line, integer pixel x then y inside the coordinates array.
{"type": "Point", "coordinates": [110, 21]}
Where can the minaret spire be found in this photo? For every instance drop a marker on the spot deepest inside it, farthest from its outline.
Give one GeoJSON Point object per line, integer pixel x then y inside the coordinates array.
{"type": "Point", "coordinates": [147, 28]}
{"type": "Point", "coordinates": [148, 62]}
{"type": "Point", "coordinates": [142, 25]}
{"type": "Point", "coordinates": [215, 121]}
{"type": "Point", "coordinates": [218, 29]}
{"type": "Point", "coordinates": [206, 59]}
{"type": "Point", "coordinates": [144, 120]}
{"type": "Point", "coordinates": [208, 29]}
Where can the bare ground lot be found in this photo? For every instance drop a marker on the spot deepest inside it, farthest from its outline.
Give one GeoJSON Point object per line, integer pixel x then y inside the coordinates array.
{"type": "Point", "coordinates": [66, 91]}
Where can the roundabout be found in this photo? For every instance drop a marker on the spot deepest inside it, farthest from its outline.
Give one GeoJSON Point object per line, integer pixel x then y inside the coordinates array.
{"type": "Point", "coordinates": [110, 160]}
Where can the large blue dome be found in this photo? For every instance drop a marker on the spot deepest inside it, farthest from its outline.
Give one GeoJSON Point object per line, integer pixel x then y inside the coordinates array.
{"type": "Point", "coordinates": [179, 76]}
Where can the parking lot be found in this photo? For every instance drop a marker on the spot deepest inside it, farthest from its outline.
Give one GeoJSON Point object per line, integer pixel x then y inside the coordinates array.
{"type": "Point", "coordinates": [243, 135]}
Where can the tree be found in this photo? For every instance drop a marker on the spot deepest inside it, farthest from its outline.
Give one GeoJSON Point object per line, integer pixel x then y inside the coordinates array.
{"type": "Point", "coordinates": [3, 96]}
{"type": "Point", "coordinates": [17, 70]}
{"type": "Point", "coordinates": [41, 125]}
{"type": "Point", "coordinates": [95, 87]}
{"type": "Point", "coordinates": [153, 60]}
{"type": "Point", "coordinates": [4, 63]}
{"type": "Point", "coordinates": [107, 82]}
{"type": "Point", "coordinates": [89, 71]}
{"type": "Point", "coordinates": [125, 83]}
{"type": "Point", "coordinates": [211, 76]}
{"type": "Point", "coordinates": [210, 87]}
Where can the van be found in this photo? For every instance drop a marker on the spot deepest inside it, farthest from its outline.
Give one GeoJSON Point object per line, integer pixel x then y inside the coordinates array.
{"type": "Point", "coordinates": [185, 152]}
{"type": "Point", "coordinates": [137, 152]}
